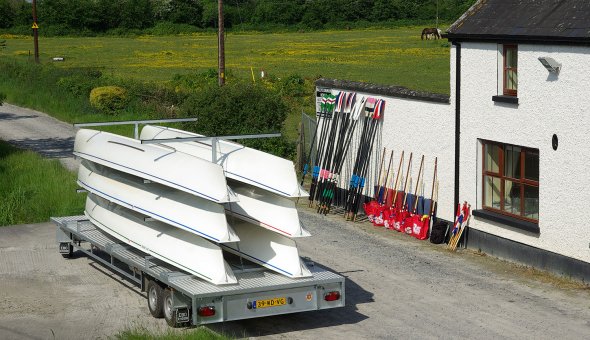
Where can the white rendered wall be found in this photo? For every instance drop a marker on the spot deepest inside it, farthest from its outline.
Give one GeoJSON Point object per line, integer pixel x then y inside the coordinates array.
{"type": "Point", "coordinates": [423, 128]}
{"type": "Point", "coordinates": [548, 104]}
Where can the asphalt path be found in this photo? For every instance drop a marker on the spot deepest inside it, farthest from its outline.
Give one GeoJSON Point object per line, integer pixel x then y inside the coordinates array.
{"type": "Point", "coordinates": [37, 131]}
{"type": "Point", "coordinates": [396, 287]}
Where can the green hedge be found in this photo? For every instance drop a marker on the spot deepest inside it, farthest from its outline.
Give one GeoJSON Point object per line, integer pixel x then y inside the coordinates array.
{"type": "Point", "coordinates": [240, 108]}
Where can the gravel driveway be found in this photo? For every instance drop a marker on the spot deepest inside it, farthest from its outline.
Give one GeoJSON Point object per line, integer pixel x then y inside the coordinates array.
{"type": "Point", "coordinates": [396, 287]}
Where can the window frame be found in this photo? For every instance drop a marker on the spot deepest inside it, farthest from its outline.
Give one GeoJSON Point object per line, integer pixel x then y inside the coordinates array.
{"type": "Point", "coordinates": [506, 91]}
{"type": "Point", "coordinates": [521, 181]}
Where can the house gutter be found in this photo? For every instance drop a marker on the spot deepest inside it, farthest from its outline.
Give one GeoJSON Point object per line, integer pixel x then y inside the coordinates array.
{"type": "Point", "coordinates": [457, 120]}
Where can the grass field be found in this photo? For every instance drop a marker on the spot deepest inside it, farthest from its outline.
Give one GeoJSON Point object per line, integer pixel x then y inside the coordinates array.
{"type": "Point", "coordinates": [384, 56]}
{"type": "Point", "coordinates": [200, 333]}
{"type": "Point", "coordinates": [34, 189]}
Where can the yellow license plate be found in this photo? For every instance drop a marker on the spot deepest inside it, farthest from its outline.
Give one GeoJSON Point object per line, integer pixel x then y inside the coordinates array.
{"type": "Point", "coordinates": [281, 301]}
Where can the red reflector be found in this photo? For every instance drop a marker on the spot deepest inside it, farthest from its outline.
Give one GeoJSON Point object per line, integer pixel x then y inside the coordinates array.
{"type": "Point", "coordinates": [332, 296]}
{"type": "Point", "coordinates": [206, 311]}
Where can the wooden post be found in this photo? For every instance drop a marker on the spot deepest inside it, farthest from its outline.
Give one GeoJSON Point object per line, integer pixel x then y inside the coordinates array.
{"type": "Point", "coordinates": [221, 44]}
{"type": "Point", "coordinates": [35, 31]}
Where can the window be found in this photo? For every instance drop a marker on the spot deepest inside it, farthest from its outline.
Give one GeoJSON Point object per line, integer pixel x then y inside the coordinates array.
{"type": "Point", "coordinates": [511, 180]}
{"type": "Point", "coordinates": [510, 56]}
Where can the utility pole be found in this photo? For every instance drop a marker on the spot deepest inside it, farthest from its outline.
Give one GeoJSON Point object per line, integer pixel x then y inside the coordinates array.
{"type": "Point", "coordinates": [220, 44]}
{"type": "Point", "coordinates": [35, 32]}
{"type": "Point", "coordinates": [437, 14]}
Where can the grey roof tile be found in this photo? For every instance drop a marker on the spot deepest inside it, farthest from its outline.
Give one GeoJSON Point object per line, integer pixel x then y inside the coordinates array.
{"type": "Point", "coordinates": [558, 20]}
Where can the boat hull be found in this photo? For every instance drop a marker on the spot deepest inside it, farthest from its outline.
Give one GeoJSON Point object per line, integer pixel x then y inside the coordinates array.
{"type": "Point", "coordinates": [267, 210]}
{"type": "Point", "coordinates": [269, 249]}
{"type": "Point", "coordinates": [240, 163]}
{"type": "Point", "coordinates": [177, 208]}
{"type": "Point", "coordinates": [155, 163]}
{"type": "Point", "coordinates": [184, 250]}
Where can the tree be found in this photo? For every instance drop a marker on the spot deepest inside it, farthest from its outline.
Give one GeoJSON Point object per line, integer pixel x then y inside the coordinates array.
{"type": "Point", "coordinates": [136, 14]}
{"type": "Point", "coordinates": [7, 14]}
{"type": "Point", "coordinates": [271, 11]}
{"type": "Point", "coordinates": [185, 12]}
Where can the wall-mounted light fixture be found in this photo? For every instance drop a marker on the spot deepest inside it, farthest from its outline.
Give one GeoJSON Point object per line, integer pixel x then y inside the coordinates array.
{"type": "Point", "coordinates": [550, 64]}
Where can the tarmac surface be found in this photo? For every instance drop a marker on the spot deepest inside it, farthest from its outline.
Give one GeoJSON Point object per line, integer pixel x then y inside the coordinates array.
{"type": "Point", "coordinates": [396, 286]}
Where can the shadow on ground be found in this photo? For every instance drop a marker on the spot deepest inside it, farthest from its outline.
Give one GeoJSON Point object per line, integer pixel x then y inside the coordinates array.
{"type": "Point", "coordinates": [47, 147]}
{"type": "Point", "coordinates": [10, 116]}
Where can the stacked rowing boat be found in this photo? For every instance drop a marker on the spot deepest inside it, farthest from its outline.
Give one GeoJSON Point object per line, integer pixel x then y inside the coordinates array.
{"type": "Point", "coordinates": [186, 202]}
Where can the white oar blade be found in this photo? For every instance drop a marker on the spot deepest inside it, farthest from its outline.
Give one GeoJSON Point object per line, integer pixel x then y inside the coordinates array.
{"type": "Point", "coordinates": [271, 250]}
{"type": "Point", "coordinates": [168, 205]}
{"type": "Point", "coordinates": [184, 250]}
{"type": "Point", "coordinates": [155, 163]}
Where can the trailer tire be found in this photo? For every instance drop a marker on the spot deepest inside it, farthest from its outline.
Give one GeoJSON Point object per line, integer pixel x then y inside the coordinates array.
{"type": "Point", "coordinates": [169, 314]}
{"type": "Point", "coordinates": [155, 298]}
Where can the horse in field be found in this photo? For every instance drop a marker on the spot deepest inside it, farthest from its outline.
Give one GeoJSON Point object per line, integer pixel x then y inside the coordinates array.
{"type": "Point", "coordinates": [431, 33]}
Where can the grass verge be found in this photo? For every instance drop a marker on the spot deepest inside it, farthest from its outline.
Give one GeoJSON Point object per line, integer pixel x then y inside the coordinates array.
{"type": "Point", "coordinates": [34, 189]}
{"type": "Point", "coordinates": [201, 333]}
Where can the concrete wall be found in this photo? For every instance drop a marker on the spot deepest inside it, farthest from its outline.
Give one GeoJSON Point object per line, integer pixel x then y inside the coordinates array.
{"type": "Point", "coordinates": [548, 104]}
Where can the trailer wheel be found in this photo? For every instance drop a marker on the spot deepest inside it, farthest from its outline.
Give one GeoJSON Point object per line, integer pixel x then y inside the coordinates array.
{"type": "Point", "coordinates": [155, 297]}
{"type": "Point", "coordinates": [169, 314]}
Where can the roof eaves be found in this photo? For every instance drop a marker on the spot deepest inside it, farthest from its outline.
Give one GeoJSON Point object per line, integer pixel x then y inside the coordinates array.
{"type": "Point", "coordinates": [532, 39]}
{"type": "Point", "coordinates": [384, 90]}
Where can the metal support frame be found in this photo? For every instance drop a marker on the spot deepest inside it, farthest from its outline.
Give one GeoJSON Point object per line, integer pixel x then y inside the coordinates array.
{"type": "Point", "coordinates": [136, 123]}
{"type": "Point", "coordinates": [214, 140]}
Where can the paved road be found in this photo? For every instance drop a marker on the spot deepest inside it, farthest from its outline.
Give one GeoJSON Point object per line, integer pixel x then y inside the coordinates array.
{"type": "Point", "coordinates": [397, 287]}
{"type": "Point", "coordinates": [37, 131]}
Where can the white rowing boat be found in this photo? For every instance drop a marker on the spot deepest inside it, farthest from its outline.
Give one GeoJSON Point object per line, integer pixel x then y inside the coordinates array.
{"type": "Point", "coordinates": [240, 163]}
{"type": "Point", "coordinates": [177, 247]}
{"type": "Point", "coordinates": [154, 162]}
{"type": "Point", "coordinates": [271, 250]}
{"type": "Point", "coordinates": [168, 205]}
{"type": "Point", "coordinates": [267, 210]}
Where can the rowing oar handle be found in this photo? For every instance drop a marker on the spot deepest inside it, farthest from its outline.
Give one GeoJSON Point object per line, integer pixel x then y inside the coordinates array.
{"type": "Point", "coordinates": [417, 185]}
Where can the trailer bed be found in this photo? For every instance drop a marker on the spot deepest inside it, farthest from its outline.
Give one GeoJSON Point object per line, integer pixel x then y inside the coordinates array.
{"type": "Point", "coordinates": [259, 292]}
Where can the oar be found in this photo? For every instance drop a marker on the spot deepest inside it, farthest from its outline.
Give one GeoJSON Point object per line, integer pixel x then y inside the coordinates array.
{"type": "Point", "coordinates": [399, 168]}
{"type": "Point", "coordinates": [344, 137]}
{"type": "Point", "coordinates": [384, 186]}
{"type": "Point", "coordinates": [455, 242]}
{"type": "Point", "coordinates": [378, 179]}
{"type": "Point", "coordinates": [378, 113]}
{"type": "Point", "coordinates": [329, 105]}
{"type": "Point", "coordinates": [406, 182]}
{"type": "Point", "coordinates": [339, 126]}
{"type": "Point", "coordinates": [355, 179]}
{"type": "Point", "coordinates": [309, 158]}
{"type": "Point", "coordinates": [356, 108]}
{"type": "Point", "coordinates": [417, 185]}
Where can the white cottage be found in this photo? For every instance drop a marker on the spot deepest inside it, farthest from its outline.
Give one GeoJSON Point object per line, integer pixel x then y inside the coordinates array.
{"type": "Point", "coordinates": [512, 139]}
{"type": "Point", "coordinates": [520, 81]}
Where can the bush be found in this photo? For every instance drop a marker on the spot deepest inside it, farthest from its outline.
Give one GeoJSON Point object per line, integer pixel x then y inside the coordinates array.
{"type": "Point", "coordinates": [240, 108]}
{"type": "Point", "coordinates": [80, 81]}
{"type": "Point", "coordinates": [2, 98]}
{"type": "Point", "coordinates": [293, 86]}
{"type": "Point", "coordinates": [109, 99]}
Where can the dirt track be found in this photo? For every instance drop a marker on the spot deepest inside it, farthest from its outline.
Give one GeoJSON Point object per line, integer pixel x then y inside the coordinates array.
{"type": "Point", "coordinates": [397, 287]}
